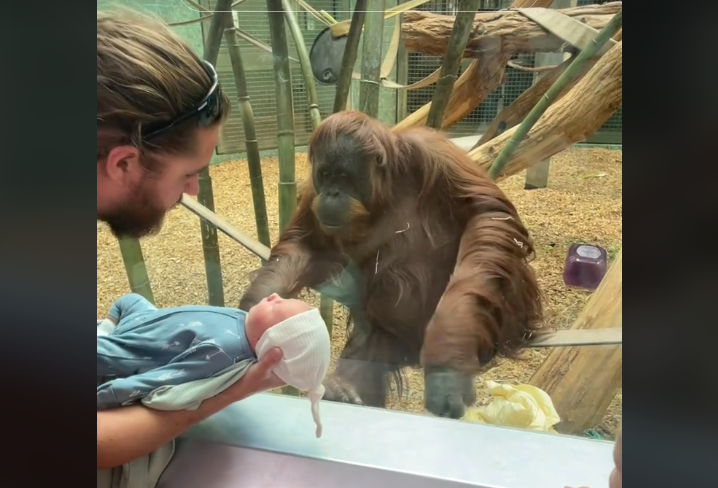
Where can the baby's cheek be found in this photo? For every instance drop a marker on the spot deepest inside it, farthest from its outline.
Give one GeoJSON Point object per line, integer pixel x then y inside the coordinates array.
{"type": "Point", "coordinates": [255, 327]}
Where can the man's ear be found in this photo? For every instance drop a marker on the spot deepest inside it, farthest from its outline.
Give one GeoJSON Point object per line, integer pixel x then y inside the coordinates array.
{"type": "Point", "coordinates": [121, 162]}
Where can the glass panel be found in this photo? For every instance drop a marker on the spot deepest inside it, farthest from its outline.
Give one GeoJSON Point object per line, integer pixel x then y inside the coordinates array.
{"type": "Point", "coordinates": [428, 270]}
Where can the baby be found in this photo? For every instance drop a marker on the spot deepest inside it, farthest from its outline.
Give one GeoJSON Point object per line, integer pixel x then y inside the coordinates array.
{"type": "Point", "coordinates": [142, 348]}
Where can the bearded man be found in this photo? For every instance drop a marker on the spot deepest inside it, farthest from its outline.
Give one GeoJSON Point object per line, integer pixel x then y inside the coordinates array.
{"type": "Point", "coordinates": [159, 112]}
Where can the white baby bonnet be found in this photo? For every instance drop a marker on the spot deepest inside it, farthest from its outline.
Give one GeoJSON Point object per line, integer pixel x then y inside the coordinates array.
{"type": "Point", "coordinates": [306, 353]}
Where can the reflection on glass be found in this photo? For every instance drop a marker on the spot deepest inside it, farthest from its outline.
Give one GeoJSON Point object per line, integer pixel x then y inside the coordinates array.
{"type": "Point", "coordinates": [420, 254]}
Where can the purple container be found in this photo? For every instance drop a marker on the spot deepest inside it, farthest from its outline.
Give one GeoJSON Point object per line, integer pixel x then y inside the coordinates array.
{"type": "Point", "coordinates": [585, 266]}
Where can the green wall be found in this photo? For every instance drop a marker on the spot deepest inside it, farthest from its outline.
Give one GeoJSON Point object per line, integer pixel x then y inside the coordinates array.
{"type": "Point", "coordinates": [169, 11]}
{"type": "Point", "coordinates": [177, 11]}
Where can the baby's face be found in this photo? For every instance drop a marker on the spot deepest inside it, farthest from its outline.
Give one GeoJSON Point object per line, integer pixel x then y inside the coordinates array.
{"type": "Point", "coordinates": [269, 312]}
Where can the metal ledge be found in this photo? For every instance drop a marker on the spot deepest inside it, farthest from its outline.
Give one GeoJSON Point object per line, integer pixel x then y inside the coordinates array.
{"type": "Point", "coordinates": [268, 441]}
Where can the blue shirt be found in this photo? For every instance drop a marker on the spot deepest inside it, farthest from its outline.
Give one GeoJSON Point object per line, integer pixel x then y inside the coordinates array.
{"type": "Point", "coordinates": [151, 347]}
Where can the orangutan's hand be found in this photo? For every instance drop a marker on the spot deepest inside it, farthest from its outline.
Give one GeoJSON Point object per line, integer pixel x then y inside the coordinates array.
{"type": "Point", "coordinates": [338, 390]}
{"type": "Point", "coordinates": [447, 392]}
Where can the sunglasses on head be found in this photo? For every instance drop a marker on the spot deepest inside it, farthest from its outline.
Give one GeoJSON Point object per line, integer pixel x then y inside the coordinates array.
{"type": "Point", "coordinates": [206, 112]}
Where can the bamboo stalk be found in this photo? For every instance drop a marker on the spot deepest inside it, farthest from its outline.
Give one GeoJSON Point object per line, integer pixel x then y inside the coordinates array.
{"type": "Point", "coordinates": [371, 58]}
{"type": "Point", "coordinates": [221, 19]}
{"type": "Point", "coordinates": [285, 122]}
{"type": "Point", "coordinates": [303, 54]}
{"type": "Point", "coordinates": [463, 24]}
{"type": "Point", "coordinates": [343, 28]}
{"type": "Point", "coordinates": [601, 38]}
{"type": "Point", "coordinates": [254, 161]}
{"type": "Point", "coordinates": [210, 244]}
{"type": "Point", "coordinates": [135, 268]}
{"type": "Point", "coordinates": [349, 59]}
{"type": "Point", "coordinates": [285, 114]}
{"type": "Point", "coordinates": [326, 304]}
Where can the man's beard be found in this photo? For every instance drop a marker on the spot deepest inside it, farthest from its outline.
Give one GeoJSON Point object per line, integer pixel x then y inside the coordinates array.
{"type": "Point", "coordinates": [139, 217]}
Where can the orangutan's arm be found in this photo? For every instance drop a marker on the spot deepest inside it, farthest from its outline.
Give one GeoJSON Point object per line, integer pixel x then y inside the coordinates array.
{"type": "Point", "coordinates": [284, 274]}
{"type": "Point", "coordinates": [492, 299]}
{"type": "Point", "coordinates": [299, 260]}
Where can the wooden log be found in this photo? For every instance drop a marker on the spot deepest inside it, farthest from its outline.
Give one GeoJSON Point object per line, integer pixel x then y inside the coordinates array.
{"type": "Point", "coordinates": [580, 337]}
{"type": "Point", "coordinates": [519, 109]}
{"type": "Point", "coordinates": [572, 119]}
{"type": "Point", "coordinates": [505, 30]}
{"type": "Point", "coordinates": [478, 81]}
{"type": "Point", "coordinates": [473, 87]}
{"type": "Point", "coordinates": [582, 381]}
{"type": "Point", "coordinates": [593, 47]}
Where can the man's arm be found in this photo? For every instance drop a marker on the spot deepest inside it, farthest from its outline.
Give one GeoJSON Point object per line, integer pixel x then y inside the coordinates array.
{"type": "Point", "coordinates": [128, 433]}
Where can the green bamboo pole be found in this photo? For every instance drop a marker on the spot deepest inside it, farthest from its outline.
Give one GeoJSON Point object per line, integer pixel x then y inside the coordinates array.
{"type": "Point", "coordinates": [463, 24]}
{"type": "Point", "coordinates": [254, 161]}
{"type": "Point", "coordinates": [573, 69]}
{"type": "Point", "coordinates": [349, 59]}
{"type": "Point", "coordinates": [285, 122]}
{"type": "Point", "coordinates": [135, 268]}
{"type": "Point", "coordinates": [371, 58]}
{"type": "Point", "coordinates": [305, 64]}
{"type": "Point", "coordinates": [210, 244]}
{"type": "Point", "coordinates": [285, 114]}
{"type": "Point", "coordinates": [326, 304]}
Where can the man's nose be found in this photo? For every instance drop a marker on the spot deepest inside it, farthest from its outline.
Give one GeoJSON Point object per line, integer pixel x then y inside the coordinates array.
{"type": "Point", "coordinates": [273, 297]}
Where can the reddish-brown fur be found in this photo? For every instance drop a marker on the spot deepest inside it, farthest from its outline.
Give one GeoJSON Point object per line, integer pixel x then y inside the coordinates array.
{"type": "Point", "coordinates": [439, 255]}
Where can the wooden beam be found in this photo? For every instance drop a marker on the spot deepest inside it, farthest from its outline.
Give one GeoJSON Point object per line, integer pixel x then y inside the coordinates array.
{"type": "Point", "coordinates": [581, 337]}
{"type": "Point", "coordinates": [571, 119]}
{"type": "Point", "coordinates": [478, 81]}
{"type": "Point", "coordinates": [237, 235]}
{"type": "Point", "coordinates": [582, 381]}
{"type": "Point", "coordinates": [537, 175]}
{"type": "Point", "coordinates": [506, 30]}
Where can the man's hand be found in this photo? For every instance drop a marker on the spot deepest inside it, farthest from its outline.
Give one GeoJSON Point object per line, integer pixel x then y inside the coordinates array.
{"type": "Point", "coordinates": [259, 378]}
{"type": "Point", "coordinates": [128, 433]}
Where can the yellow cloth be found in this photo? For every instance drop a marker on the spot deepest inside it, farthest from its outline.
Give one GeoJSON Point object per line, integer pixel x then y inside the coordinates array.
{"type": "Point", "coordinates": [521, 406]}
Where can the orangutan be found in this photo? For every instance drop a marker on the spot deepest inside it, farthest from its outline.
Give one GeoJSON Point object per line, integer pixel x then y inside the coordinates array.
{"type": "Point", "coordinates": [437, 253]}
